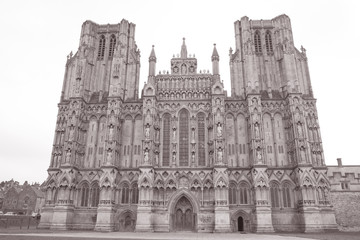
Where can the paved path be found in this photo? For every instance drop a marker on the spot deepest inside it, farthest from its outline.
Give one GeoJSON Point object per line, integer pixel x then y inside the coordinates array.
{"type": "Point", "coordinates": [150, 236]}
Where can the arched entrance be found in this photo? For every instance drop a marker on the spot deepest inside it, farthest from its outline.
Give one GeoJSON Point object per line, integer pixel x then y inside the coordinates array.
{"type": "Point", "coordinates": [240, 222]}
{"type": "Point", "coordinates": [184, 217]}
{"type": "Point", "coordinates": [126, 222]}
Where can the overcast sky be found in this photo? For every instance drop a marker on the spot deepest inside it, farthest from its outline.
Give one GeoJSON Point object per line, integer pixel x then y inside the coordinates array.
{"type": "Point", "coordinates": [36, 37]}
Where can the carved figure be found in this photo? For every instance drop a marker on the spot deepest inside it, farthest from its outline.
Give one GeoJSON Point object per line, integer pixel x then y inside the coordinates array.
{"type": "Point", "coordinates": [299, 129]}
{"type": "Point", "coordinates": [257, 131]}
{"type": "Point", "coordinates": [302, 154]}
{"type": "Point", "coordinates": [258, 154]}
{"type": "Point", "coordinates": [68, 155]}
{"type": "Point", "coordinates": [146, 156]}
{"type": "Point", "coordinates": [157, 135]}
{"type": "Point", "coordinates": [71, 134]}
{"type": "Point", "coordinates": [174, 134]}
{"type": "Point", "coordinates": [220, 155]}
{"type": "Point", "coordinates": [147, 131]}
{"type": "Point", "coordinates": [183, 69]}
{"type": "Point", "coordinates": [109, 155]}
{"type": "Point", "coordinates": [116, 71]}
{"type": "Point", "coordinates": [111, 132]}
{"type": "Point", "coordinates": [219, 129]}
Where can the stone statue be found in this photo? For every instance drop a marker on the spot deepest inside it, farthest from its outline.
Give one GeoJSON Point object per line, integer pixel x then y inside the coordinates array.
{"type": "Point", "coordinates": [258, 154]}
{"type": "Point", "coordinates": [157, 135]}
{"type": "Point", "coordinates": [299, 129]}
{"type": "Point", "coordinates": [146, 156]}
{"type": "Point", "coordinates": [302, 154]}
{"type": "Point", "coordinates": [147, 131]}
{"type": "Point", "coordinates": [174, 134]}
{"type": "Point", "coordinates": [71, 134]}
{"type": "Point", "coordinates": [257, 131]}
{"type": "Point", "coordinates": [219, 129]}
{"type": "Point", "coordinates": [68, 155]}
{"type": "Point", "coordinates": [183, 69]}
{"type": "Point", "coordinates": [111, 132]}
{"type": "Point", "coordinates": [109, 155]}
{"type": "Point", "coordinates": [220, 155]}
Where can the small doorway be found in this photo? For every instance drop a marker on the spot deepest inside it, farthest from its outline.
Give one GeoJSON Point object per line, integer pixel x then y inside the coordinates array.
{"type": "Point", "coordinates": [240, 224]}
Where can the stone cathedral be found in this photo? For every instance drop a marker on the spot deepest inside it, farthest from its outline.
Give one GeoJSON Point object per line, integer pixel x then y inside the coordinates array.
{"type": "Point", "coordinates": [185, 156]}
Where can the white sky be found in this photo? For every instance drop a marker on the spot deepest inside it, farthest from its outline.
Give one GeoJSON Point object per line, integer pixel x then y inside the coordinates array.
{"type": "Point", "coordinates": [36, 37]}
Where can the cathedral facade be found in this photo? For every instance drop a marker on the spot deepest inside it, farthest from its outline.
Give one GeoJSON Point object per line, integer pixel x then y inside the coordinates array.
{"type": "Point", "coordinates": [185, 156]}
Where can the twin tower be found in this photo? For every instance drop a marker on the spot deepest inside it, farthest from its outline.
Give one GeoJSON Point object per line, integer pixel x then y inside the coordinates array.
{"type": "Point", "coordinates": [185, 156]}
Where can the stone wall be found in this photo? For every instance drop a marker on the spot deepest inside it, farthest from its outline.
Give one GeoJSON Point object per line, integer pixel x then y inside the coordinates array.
{"type": "Point", "coordinates": [347, 210]}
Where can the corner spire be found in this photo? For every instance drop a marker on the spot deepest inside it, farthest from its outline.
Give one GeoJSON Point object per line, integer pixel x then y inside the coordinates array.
{"type": "Point", "coordinates": [152, 55]}
{"type": "Point", "coordinates": [183, 50]}
{"type": "Point", "coordinates": [215, 55]}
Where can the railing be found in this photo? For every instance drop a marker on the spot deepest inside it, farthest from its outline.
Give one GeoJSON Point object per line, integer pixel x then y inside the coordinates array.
{"type": "Point", "coordinates": [107, 202]}
{"type": "Point", "coordinates": [26, 222]}
{"type": "Point", "coordinates": [65, 202]}
{"type": "Point", "coordinates": [262, 202]}
{"type": "Point", "coordinates": [324, 202]}
{"type": "Point", "coordinates": [306, 202]}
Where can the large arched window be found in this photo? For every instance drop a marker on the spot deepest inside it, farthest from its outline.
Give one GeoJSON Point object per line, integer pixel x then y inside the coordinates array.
{"type": "Point", "coordinates": [268, 43]}
{"type": "Point", "coordinates": [201, 138]}
{"type": "Point", "coordinates": [232, 193]}
{"type": "Point", "coordinates": [125, 194]}
{"type": "Point", "coordinates": [166, 140]}
{"type": "Point", "coordinates": [95, 193]}
{"type": "Point", "coordinates": [244, 193]}
{"type": "Point", "coordinates": [183, 138]}
{"type": "Point", "coordinates": [84, 193]}
{"type": "Point", "coordinates": [134, 194]}
{"type": "Point", "coordinates": [101, 50]}
{"type": "Point", "coordinates": [274, 195]}
{"type": "Point", "coordinates": [286, 192]}
{"type": "Point", "coordinates": [257, 41]}
{"type": "Point", "coordinates": [112, 46]}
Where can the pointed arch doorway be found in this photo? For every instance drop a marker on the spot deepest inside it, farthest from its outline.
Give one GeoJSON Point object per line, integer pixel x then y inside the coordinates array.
{"type": "Point", "coordinates": [184, 215]}
{"type": "Point", "coordinates": [240, 222]}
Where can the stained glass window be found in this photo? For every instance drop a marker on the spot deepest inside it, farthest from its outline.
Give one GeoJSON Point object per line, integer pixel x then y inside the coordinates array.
{"type": "Point", "coordinates": [166, 140]}
{"type": "Point", "coordinates": [184, 138]}
{"type": "Point", "coordinates": [201, 139]}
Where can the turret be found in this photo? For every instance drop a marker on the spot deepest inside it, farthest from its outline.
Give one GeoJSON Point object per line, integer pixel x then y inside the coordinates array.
{"type": "Point", "coordinates": [183, 50]}
{"type": "Point", "coordinates": [152, 62]}
{"type": "Point", "coordinates": [215, 61]}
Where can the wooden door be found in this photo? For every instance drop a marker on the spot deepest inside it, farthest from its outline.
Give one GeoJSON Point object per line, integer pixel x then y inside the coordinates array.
{"type": "Point", "coordinates": [183, 215]}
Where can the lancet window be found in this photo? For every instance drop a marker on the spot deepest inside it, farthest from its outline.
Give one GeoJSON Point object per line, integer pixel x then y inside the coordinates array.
{"type": "Point", "coordinates": [183, 138]}
{"type": "Point", "coordinates": [244, 193]}
{"type": "Point", "coordinates": [268, 43]}
{"type": "Point", "coordinates": [134, 194]}
{"type": "Point", "coordinates": [84, 193]}
{"type": "Point", "coordinates": [166, 140]}
{"type": "Point", "coordinates": [95, 193]}
{"type": "Point", "coordinates": [125, 194]}
{"type": "Point", "coordinates": [232, 194]}
{"type": "Point", "coordinates": [286, 195]}
{"type": "Point", "coordinates": [274, 195]}
{"type": "Point", "coordinates": [257, 41]}
{"type": "Point", "coordinates": [112, 46]}
{"type": "Point", "coordinates": [101, 50]}
{"type": "Point", "coordinates": [201, 138]}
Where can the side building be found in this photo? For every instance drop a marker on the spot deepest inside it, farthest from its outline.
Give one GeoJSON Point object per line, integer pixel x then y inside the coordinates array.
{"type": "Point", "coordinates": [185, 156]}
{"type": "Point", "coordinates": [345, 195]}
